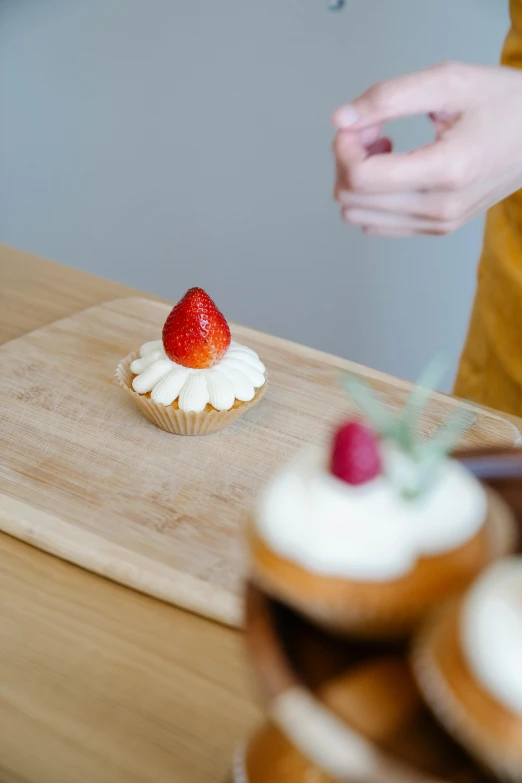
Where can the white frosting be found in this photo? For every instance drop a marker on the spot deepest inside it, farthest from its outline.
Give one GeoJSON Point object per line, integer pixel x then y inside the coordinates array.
{"type": "Point", "coordinates": [366, 532]}
{"type": "Point", "coordinates": [236, 376]}
{"type": "Point", "coordinates": [491, 632]}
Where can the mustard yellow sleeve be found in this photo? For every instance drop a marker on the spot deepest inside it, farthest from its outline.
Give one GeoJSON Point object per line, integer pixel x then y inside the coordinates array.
{"type": "Point", "coordinates": [512, 54]}
{"type": "Point", "coordinates": [490, 370]}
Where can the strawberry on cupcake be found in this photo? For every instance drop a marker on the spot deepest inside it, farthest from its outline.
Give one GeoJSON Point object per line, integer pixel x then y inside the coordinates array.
{"type": "Point", "coordinates": [196, 379]}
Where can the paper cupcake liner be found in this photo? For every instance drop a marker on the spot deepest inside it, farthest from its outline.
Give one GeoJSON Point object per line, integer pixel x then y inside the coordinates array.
{"type": "Point", "coordinates": [341, 613]}
{"type": "Point", "coordinates": [450, 713]}
{"type": "Point", "coordinates": [177, 421]}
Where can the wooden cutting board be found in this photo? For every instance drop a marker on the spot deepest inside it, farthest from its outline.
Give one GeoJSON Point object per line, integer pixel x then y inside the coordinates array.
{"type": "Point", "coordinates": [85, 476]}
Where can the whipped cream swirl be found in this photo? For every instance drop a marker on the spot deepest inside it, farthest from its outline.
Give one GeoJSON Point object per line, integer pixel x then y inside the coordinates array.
{"type": "Point", "coordinates": [236, 376]}
{"type": "Point", "coordinates": [491, 632]}
{"type": "Point", "coordinates": [366, 532]}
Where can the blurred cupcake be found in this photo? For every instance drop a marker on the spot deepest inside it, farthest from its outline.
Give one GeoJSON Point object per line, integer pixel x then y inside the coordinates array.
{"type": "Point", "coordinates": [365, 536]}
{"type": "Point", "coordinates": [376, 700]}
{"type": "Point", "coordinates": [195, 380]}
{"type": "Point", "coordinates": [468, 664]}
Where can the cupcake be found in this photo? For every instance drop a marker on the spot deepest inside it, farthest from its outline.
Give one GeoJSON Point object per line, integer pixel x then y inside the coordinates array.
{"type": "Point", "coordinates": [367, 534]}
{"type": "Point", "coordinates": [195, 380]}
{"type": "Point", "coordinates": [376, 701]}
{"type": "Point", "coordinates": [468, 664]}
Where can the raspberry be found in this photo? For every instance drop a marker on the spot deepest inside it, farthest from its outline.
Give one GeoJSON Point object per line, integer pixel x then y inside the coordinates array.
{"type": "Point", "coordinates": [356, 456]}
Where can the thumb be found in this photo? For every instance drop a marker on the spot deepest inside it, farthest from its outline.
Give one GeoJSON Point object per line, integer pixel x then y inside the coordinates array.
{"type": "Point", "coordinates": [443, 88]}
{"type": "Point", "coordinates": [350, 148]}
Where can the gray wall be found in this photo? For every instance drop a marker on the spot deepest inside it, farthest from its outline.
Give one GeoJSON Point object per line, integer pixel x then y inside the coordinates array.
{"type": "Point", "coordinates": [168, 144]}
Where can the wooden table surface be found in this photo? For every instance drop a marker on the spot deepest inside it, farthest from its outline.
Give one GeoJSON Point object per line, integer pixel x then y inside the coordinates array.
{"type": "Point", "coordinates": [98, 683]}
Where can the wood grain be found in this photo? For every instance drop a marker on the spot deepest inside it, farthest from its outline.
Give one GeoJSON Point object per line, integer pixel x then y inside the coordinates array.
{"type": "Point", "coordinates": [87, 477]}
{"type": "Point", "coordinates": [79, 653]}
{"type": "Point", "coordinates": [98, 683]}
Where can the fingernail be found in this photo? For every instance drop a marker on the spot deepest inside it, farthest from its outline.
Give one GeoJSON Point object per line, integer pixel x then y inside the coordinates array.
{"type": "Point", "coordinates": [345, 117]}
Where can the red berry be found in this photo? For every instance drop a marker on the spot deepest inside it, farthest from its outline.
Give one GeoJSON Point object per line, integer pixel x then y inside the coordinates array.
{"type": "Point", "coordinates": [356, 457]}
{"type": "Point", "coordinates": [196, 333]}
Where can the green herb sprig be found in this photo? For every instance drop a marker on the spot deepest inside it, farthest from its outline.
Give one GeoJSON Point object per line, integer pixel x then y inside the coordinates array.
{"type": "Point", "coordinates": [400, 430]}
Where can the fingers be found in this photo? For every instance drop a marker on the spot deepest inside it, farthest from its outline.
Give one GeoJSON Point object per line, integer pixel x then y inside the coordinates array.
{"type": "Point", "coordinates": [437, 212]}
{"type": "Point", "coordinates": [438, 187]}
{"type": "Point", "coordinates": [397, 203]}
{"type": "Point", "coordinates": [408, 213]}
{"type": "Point", "coordinates": [370, 135]}
{"type": "Point", "coordinates": [399, 172]}
{"type": "Point", "coordinates": [388, 224]}
{"type": "Point", "coordinates": [444, 88]}
{"type": "Point", "coordinates": [443, 93]}
{"type": "Point", "coordinates": [432, 205]}
{"type": "Point", "coordinates": [351, 149]}
{"type": "Point", "coordinates": [380, 147]}
{"type": "Point", "coordinates": [397, 233]}
{"type": "Point", "coordinates": [444, 165]}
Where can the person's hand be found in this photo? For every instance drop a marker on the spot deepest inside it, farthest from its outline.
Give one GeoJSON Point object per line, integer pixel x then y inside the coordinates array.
{"type": "Point", "coordinates": [474, 162]}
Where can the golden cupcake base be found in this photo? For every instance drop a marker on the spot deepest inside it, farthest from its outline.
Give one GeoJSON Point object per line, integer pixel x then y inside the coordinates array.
{"type": "Point", "coordinates": [390, 609]}
{"type": "Point", "coordinates": [270, 758]}
{"type": "Point", "coordinates": [485, 727]}
{"type": "Point", "coordinates": [377, 699]}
